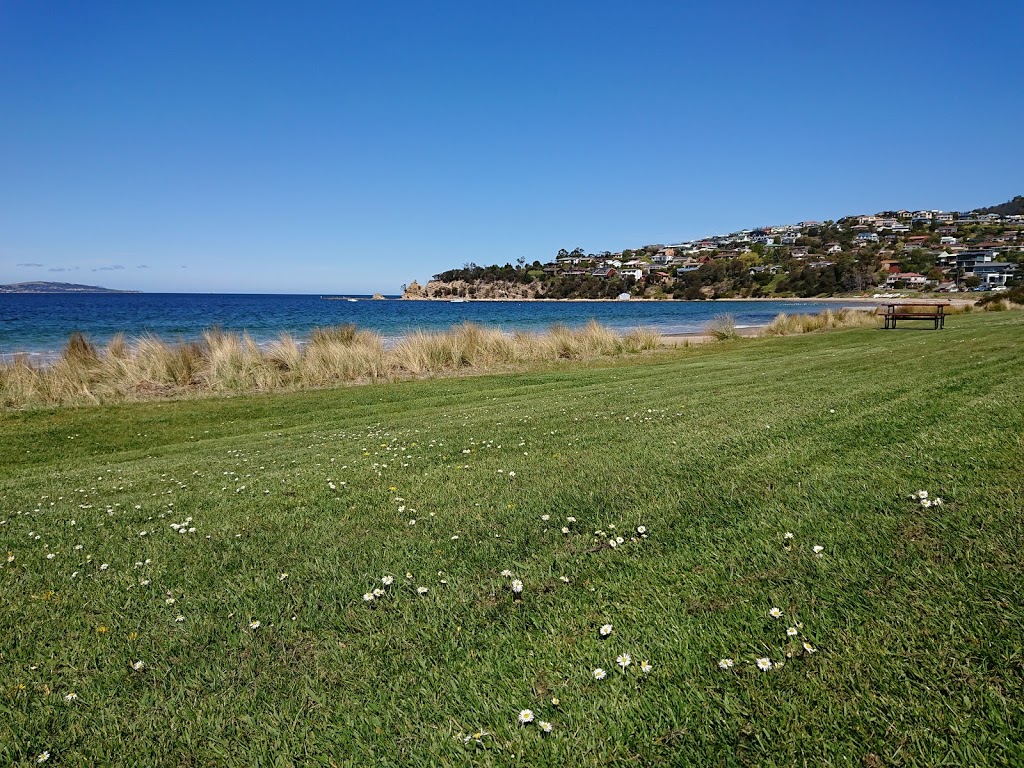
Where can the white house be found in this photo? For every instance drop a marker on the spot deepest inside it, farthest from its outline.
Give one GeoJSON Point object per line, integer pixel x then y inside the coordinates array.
{"type": "Point", "coordinates": [909, 279]}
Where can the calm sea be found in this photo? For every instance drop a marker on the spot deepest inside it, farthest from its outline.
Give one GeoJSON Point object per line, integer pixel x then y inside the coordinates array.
{"type": "Point", "coordinates": [39, 324]}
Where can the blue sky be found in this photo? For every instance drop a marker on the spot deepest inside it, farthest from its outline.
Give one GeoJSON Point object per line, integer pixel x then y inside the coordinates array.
{"type": "Point", "coordinates": [349, 148]}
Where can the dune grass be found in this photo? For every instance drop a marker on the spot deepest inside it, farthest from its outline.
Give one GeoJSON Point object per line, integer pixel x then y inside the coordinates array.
{"type": "Point", "coordinates": [204, 602]}
{"type": "Point", "coordinates": [233, 363]}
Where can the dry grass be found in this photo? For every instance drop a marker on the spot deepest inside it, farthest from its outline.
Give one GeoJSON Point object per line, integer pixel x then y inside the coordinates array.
{"type": "Point", "coordinates": [787, 325]}
{"type": "Point", "coordinates": [228, 362]}
{"type": "Point", "coordinates": [722, 328]}
{"type": "Point", "coordinates": [1001, 305]}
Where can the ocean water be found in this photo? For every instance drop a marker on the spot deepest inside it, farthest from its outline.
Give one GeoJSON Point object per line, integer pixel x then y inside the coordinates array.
{"type": "Point", "coordinates": [39, 324]}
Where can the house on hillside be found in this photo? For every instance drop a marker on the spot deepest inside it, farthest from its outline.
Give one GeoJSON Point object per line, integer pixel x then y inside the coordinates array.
{"type": "Point", "coordinates": [994, 273]}
{"type": "Point", "coordinates": [833, 248]}
{"type": "Point", "coordinates": [866, 237]}
{"type": "Point", "coordinates": [908, 279]}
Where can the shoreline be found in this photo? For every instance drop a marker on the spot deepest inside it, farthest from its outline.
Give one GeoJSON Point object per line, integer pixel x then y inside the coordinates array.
{"type": "Point", "coordinates": [669, 300]}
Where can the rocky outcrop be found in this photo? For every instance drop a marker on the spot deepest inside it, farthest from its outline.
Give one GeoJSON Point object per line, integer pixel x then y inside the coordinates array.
{"type": "Point", "coordinates": [413, 291]}
{"type": "Point", "coordinates": [476, 289]}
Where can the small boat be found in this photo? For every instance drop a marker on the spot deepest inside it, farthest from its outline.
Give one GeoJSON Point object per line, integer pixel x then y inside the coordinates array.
{"type": "Point", "coordinates": [351, 299]}
{"type": "Point", "coordinates": [457, 301]}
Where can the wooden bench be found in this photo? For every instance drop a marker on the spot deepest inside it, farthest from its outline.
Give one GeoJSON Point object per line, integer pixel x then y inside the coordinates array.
{"type": "Point", "coordinates": [934, 312]}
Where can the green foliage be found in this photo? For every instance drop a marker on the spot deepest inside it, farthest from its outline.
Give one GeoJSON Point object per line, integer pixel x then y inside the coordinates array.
{"type": "Point", "coordinates": [1014, 207]}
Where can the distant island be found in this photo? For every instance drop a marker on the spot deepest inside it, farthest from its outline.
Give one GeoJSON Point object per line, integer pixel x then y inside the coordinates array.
{"type": "Point", "coordinates": [45, 287]}
{"type": "Point", "coordinates": [927, 251]}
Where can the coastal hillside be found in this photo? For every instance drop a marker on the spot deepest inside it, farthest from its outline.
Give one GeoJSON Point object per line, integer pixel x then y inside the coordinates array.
{"type": "Point", "coordinates": [910, 252]}
{"type": "Point", "coordinates": [47, 287]}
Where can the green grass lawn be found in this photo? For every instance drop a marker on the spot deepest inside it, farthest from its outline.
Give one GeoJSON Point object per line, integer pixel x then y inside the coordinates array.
{"type": "Point", "coordinates": [292, 507]}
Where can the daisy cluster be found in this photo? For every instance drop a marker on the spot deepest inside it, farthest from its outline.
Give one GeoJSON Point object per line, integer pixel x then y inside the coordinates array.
{"type": "Point", "coordinates": [376, 594]}
{"type": "Point", "coordinates": [526, 717]}
{"type": "Point", "coordinates": [624, 660]}
{"type": "Point", "coordinates": [613, 540]}
{"type": "Point", "coordinates": [794, 644]}
{"type": "Point", "coordinates": [922, 498]}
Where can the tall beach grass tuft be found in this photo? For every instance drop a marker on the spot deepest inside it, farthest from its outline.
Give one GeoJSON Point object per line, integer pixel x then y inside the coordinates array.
{"type": "Point", "coordinates": [150, 367]}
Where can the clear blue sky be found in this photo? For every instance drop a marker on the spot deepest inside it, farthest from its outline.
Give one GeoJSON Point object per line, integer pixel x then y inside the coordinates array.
{"type": "Point", "coordinates": [338, 147]}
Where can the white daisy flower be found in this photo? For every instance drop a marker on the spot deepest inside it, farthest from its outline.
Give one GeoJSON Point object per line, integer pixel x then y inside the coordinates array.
{"type": "Point", "coordinates": [922, 494]}
{"type": "Point", "coordinates": [764, 664]}
{"type": "Point", "coordinates": [387, 580]}
{"type": "Point", "coordinates": [369, 597]}
{"type": "Point", "coordinates": [525, 716]}
{"type": "Point", "coordinates": [179, 619]}
{"type": "Point", "coordinates": [809, 648]}
{"type": "Point", "coordinates": [623, 660]}
{"type": "Point", "coordinates": [422, 590]}
{"type": "Point", "coordinates": [818, 549]}
{"type": "Point", "coordinates": [545, 726]}
{"type": "Point", "coordinates": [507, 573]}
{"type": "Point", "coordinates": [565, 529]}
{"type": "Point", "coordinates": [645, 666]}
{"type": "Point", "coordinates": [545, 518]}
{"type": "Point", "coordinates": [70, 696]}
{"type": "Point", "coordinates": [791, 632]}
{"type": "Point", "coordinates": [726, 663]}
{"type": "Point", "coordinates": [606, 629]}
{"type": "Point", "coordinates": [787, 535]}
{"type": "Point", "coordinates": [254, 624]}
{"type": "Point", "coordinates": [612, 543]}
{"type": "Point", "coordinates": [600, 674]}
{"type": "Point", "coordinates": [570, 519]}
{"type": "Point", "coordinates": [517, 586]}
{"type": "Point", "coordinates": [775, 613]}
{"type": "Point", "coordinates": [43, 756]}
{"type": "Point", "coordinates": [641, 529]}
{"type": "Point", "coordinates": [138, 666]}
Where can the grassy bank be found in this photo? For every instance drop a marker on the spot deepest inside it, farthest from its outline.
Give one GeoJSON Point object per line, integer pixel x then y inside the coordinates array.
{"type": "Point", "coordinates": [151, 368]}
{"type": "Point", "coordinates": [227, 545]}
